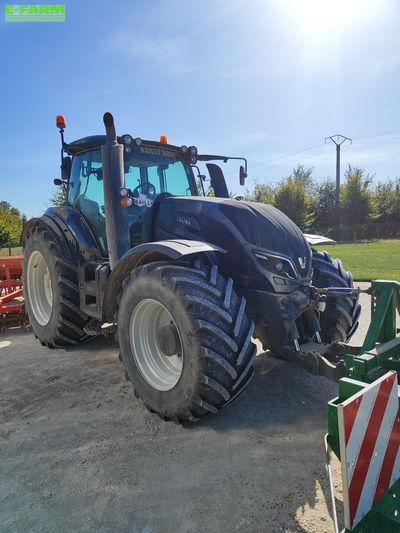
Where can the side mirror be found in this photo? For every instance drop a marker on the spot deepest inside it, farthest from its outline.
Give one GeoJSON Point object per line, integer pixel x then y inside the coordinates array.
{"type": "Point", "coordinates": [242, 175]}
{"type": "Point", "coordinates": [58, 182]}
{"type": "Point", "coordinates": [66, 168]}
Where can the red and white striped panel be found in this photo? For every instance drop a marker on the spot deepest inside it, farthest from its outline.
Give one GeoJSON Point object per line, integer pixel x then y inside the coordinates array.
{"type": "Point", "coordinates": [369, 434]}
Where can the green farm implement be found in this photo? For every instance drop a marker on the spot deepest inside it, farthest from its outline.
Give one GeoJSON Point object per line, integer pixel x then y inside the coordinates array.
{"type": "Point", "coordinates": [364, 422]}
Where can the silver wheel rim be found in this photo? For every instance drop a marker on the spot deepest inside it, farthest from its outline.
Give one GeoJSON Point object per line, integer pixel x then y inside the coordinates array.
{"type": "Point", "coordinates": [39, 288]}
{"type": "Point", "coordinates": [162, 372]}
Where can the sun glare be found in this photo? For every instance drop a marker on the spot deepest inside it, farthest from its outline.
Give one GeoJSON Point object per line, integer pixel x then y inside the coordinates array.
{"type": "Point", "coordinates": [322, 15]}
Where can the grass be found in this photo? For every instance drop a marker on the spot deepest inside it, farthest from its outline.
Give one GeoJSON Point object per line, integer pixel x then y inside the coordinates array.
{"type": "Point", "coordinates": [366, 260]}
{"type": "Point", "coordinates": [378, 259]}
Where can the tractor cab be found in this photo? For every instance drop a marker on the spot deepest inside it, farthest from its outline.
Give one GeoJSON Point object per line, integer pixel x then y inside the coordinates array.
{"type": "Point", "coordinates": [151, 169]}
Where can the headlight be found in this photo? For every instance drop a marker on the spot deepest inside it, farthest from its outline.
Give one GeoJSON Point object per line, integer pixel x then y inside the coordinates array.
{"type": "Point", "coordinates": [276, 264]}
{"type": "Point", "coordinates": [184, 149]}
{"type": "Point", "coordinates": [127, 140]}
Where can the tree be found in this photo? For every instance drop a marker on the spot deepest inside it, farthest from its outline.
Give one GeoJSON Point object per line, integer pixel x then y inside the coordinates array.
{"type": "Point", "coordinates": [387, 201]}
{"type": "Point", "coordinates": [356, 200]}
{"type": "Point", "coordinates": [303, 176]}
{"type": "Point", "coordinates": [291, 198]}
{"type": "Point", "coordinates": [324, 205]}
{"type": "Point", "coordinates": [10, 225]}
{"type": "Point", "coordinates": [210, 192]}
{"type": "Point", "coordinates": [58, 196]}
{"type": "Point", "coordinates": [261, 193]}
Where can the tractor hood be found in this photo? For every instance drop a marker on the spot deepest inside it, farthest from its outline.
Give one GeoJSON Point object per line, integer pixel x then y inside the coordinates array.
{"type": "Point", "coordinates": [256, 237]}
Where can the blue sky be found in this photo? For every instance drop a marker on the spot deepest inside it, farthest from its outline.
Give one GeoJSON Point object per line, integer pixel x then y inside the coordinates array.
{"type": "Point", "coordinates": [263, 79]}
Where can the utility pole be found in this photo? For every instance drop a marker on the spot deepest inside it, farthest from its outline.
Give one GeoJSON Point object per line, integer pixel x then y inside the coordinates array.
{"type": "Point", "coordinates": [338, 140]}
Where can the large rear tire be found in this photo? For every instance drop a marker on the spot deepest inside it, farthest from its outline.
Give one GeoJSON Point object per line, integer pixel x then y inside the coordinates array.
{"type": "Point", "coordinates": [51, 292]}
{"type": "Point", "coordinates": [185, 339]}
{"type": "Point", "coordinates": [340, 319]}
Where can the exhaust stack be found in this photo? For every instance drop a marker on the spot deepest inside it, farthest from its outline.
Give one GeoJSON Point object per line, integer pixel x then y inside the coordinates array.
{"type": "Point", "coordinates": [117, 229]}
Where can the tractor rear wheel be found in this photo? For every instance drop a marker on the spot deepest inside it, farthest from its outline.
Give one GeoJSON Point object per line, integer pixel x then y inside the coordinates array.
{"type": "Point", "coordinates": [340, 319]}
{"type": "Point", "coordinates": [185, 339]}
{"type": "Point", "coordinates": [51, 292]}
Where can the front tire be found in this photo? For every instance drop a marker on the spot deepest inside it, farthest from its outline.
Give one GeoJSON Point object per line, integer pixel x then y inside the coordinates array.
{"type": "Point", "coordinates": [51, 292]}
{"type": "Point", "coordinates": [185, 339]}
{"type": "Point", "coordinates": [339, 321]}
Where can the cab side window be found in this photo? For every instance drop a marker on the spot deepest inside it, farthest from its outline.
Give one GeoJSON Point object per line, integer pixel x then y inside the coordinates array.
{"type": "Point", "coordinates": [86, 192]}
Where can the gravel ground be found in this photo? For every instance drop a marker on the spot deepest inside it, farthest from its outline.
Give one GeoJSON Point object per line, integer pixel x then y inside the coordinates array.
{"type": "Point", "coordinates": [79, 453]}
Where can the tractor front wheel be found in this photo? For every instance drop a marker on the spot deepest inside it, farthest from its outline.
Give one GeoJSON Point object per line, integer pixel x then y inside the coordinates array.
{"type": "Point", "coordinates": [340, 319]}
{"type": "Point", "coordinates": [185, 339]}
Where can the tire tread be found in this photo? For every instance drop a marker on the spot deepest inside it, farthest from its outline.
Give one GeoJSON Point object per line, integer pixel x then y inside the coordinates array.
{"type": "Point", "coordinates": [222, 330]}
{"type": "Point", "coordinates": [71, 319]}
{"type": "Point", "coordinates": [340, 319]}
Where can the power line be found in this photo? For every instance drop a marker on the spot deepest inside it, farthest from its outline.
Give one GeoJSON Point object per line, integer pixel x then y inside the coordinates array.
{"type": "Point", "coordinates": [318, 145]}
{"type": "Point", "coordinates": [282, 157]}
{"type": "Point", "coordinates": [378, 135]}
{"type": "Point", "coordinates": [287, 155]}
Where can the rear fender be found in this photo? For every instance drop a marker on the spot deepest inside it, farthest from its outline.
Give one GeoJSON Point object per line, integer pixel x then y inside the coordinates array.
{"type": "Point", "coordinates": [70, 231]}
{"type": "Point", "coordinates": [148, 253]}
{"type": "Point", "coordinates": [64, 249]}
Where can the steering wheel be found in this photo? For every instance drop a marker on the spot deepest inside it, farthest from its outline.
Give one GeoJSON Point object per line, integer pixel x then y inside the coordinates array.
{"type": "Point", "coordinates": [146, 188]}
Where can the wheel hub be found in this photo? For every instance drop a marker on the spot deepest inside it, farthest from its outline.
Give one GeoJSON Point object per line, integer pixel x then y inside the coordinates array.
{"type": "Point", "coordinates": [156, 345]}
{"type": "Point", "coordinates": [39, 288]}
{"type": "Point", "coordinates": [168, 340]}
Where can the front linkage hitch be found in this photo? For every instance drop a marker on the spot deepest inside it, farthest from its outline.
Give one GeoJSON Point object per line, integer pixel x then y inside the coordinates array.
{"type": "Point", "coordinates": [322, 359]}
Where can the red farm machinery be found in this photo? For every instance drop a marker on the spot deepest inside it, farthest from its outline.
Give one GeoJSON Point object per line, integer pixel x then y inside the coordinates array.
{"type": "Point", "coordinates": [11, 298]}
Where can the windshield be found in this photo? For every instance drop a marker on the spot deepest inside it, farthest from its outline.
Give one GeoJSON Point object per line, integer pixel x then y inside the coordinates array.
{"type": "Point", "coordinates": [152, 171]}
{"type": "Point", "coordinates": [148, 170]}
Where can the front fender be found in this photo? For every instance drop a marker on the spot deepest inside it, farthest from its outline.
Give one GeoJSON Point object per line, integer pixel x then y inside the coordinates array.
{"type": "Point", "coordinates": [313, 240]}
{"type": "Point", "coordinates": [148, 253]}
